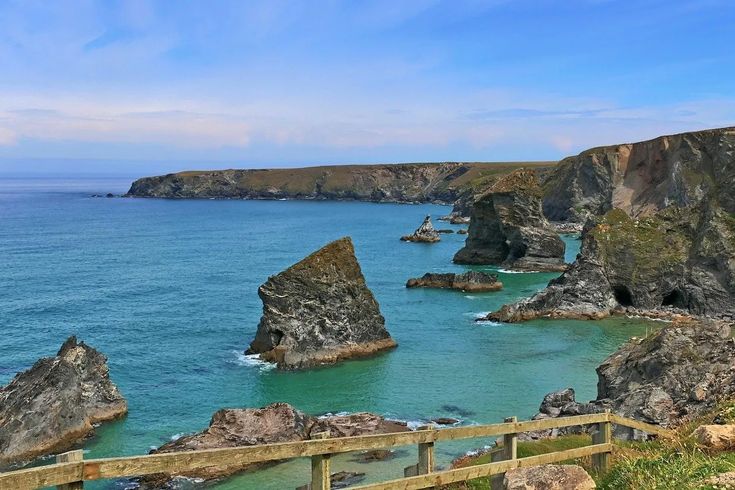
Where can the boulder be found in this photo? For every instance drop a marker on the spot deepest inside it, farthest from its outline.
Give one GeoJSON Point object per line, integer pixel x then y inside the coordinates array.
{"type": "Point", "coordinates": [56, 403]}
{"type": "Point", "coordinates": [562, 403]}
{"type": "Point", "coordinates": [680, 261]}
{"type": "Point", "coordinates": [508, 228]}
{"type": "Point", "coordinates": [548, 477]}
{"type": "Point", "coordinates": [319, 311]}
{"type": "Point", "coordinates": [719, 437]}
{"type": "Point", "coordinates": [473, 281]}
{"type": "Point", "coordinates": [278, 422]}
{"type": "Point", "coordinates": [424, 233]}
{"type": "Point", "coordinates": [721, 481]}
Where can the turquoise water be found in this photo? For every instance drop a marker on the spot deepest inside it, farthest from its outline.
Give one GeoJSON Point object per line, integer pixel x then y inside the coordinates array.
{"type": "Point", "coordinates": [167, 290]}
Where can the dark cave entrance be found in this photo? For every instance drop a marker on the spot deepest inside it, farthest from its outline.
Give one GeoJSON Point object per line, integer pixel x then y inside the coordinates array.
{"type": "Point", "coordinates": [623, 295]}
{"type": "Point", "coordinates": [675, 298]}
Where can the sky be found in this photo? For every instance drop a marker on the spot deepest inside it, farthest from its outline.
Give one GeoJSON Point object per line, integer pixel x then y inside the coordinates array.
{"type": "Point", "coordinates": [146, 86]}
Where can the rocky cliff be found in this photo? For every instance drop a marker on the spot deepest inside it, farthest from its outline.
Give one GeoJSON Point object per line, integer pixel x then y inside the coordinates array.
{"type": "Point", "coordinates": [320, 311]}
{"type": "Point", "coordinates": [278, 422]}
{"type": "Point", "coordinates": [681, 259]}
{"type": "Point", "coordinates": [56, 403]}
{"type": "Point", "coordinates": [508, 228]}
{"type": "Point", "coordinates": [678, 372]}
{"type": "Point", "coordinates": [425, 233]}
{"type": "Point", "coordinates": [419, 182]}
{"type": "Point", "coordinates": [643, 178]}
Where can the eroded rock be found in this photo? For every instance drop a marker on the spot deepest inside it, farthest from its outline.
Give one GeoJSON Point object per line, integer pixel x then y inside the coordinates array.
{"type": "Point", "coordinates": [278, 422]}
{"type": "Point", "coordinates": [424, 233]}
{"type": "Point", "coordinates": [508, 228]}
{"type": "Point", "coordinates": [474, 281]}
{"type": "Point", "coordinates": [717, 437]}
{"type": "Point", "coordinates": [56, 403]}
{"type": "Point", "coordinates": [320, 311]}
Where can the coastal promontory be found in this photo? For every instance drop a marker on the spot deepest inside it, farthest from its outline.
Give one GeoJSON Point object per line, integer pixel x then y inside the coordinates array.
{"type": "Point", "coordinates": [508, 228]}
{"type": "Point", "coordinates": [56, 403]}
{"type": "Point", "coordinates": [320, 311]}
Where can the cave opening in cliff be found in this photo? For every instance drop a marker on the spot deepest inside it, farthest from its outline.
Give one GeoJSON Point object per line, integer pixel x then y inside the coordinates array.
{"type": "Point", "coordinates": [623, 296]}
{"type": "Point", "coordinates": [675, 298]}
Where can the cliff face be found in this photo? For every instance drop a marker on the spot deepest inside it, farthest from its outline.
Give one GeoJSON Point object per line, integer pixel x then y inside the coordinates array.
{"type": "Point", "coordinates": [424, 182]}
{"type": "Point", "coordinates": [320, 311]}
{"type": "Point", "coordinates": [508, 228]}
{"type": "Point", "coordinates": [56, 403]}
{"type": "Point", "coordinates": [682, 258]}
{"type": "Point", "coordinates": [643, 178]}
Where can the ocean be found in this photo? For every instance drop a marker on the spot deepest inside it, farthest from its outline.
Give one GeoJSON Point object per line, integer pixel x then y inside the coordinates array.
{"type": "Point", "coordinates": [167, 290]}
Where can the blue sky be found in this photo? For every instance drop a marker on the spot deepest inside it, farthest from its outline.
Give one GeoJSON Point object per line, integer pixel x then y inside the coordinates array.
{"type": "Point", "coordinates": [172, 84]}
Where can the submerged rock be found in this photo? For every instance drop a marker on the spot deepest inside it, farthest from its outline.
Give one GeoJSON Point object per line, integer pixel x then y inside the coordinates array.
{"type": "Point", "coordinates": [56, 403]}
{"type": "Point", "coordinates": [424, 233]}
{"type": "Point", "coordinates": [278, 422]}
{"type": "Point", "coordinates": [682, 259]}
{"type": "Point", "coordinates": [474, 281]}
{"type": "Point", "coordinates": [508, 228]}
{"type": "Point", "coordinates": [319, 311]}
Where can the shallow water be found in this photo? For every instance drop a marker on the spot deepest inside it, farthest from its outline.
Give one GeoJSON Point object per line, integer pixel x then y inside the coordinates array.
{"type": "Point", "coordinates": [167, 290]}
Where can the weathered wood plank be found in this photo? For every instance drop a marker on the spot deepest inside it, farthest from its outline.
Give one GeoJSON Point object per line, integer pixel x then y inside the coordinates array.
{"type": "Point", "coordinates": [71, 457]}
{"type": "Point", "coordinates": [517, 427]}
{"type": "Point", "coordinates": [603, 435]}
{"type": "Point", "coordinates": [479, 471]}
{"type": "Point", "coordinates": [637, 424]}
{"type": "Point", "coordinates": [42, 476]}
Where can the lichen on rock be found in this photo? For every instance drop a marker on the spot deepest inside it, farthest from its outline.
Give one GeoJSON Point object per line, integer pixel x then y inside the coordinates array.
{"type": "Point", "coordinates": [56, 403]}
{"type": "Point", "coordinates": [320, 311]}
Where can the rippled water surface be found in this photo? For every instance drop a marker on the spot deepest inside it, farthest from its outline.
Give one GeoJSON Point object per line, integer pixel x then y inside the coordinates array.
{"type": "Point", "coordinates": [168, 291]}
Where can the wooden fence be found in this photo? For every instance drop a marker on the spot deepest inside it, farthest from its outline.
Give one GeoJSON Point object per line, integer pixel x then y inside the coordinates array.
{"type": "Point", "coordinates": [71, 470]}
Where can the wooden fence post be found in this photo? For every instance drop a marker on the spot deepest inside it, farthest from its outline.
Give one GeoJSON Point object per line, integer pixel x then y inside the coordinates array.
{"type": "Point", "coordinates": [603, 434]}
{"type": "Point", "coordinates": [509, 451]}
{"type": "Point", "coordinates": [321, 478]}
{"type": "Point", "coordinates": [71, 457]}
{"type": "Point", "coordinates": [426, 455]}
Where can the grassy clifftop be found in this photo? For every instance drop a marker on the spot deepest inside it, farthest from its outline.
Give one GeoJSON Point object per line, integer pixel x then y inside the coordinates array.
{"type": "Point", "coordinates": [410, 182]}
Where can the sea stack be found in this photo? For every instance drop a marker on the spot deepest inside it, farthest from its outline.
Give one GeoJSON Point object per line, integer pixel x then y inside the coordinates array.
{"type": "Point", "coordinates": [508, 228]}
{"type": "Point", "coordinates": [56, 403]}
{"type": "Point", "coordinates": [319, 311]}
{"type": "Point", "coordinates": [424, 233]}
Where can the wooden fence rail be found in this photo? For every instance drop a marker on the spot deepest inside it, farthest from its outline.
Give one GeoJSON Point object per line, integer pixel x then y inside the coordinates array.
{"type": "Point", "coordinates": [70, 470]}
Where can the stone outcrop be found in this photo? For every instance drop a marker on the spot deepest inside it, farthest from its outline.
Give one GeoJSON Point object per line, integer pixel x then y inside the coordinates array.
{"type": "Point", "coordinates": [411, 182]}
{"type": "Point", "coordinates": [424, 233]}
{"type": "Point", "coordinates": [718, 437]}
{"type": "Point", "coordinates": [278, 422]}
{"type": "Point", "coordinates": [56, 403]}
{"type": "Point", "coordinates": [319, 311]}
{"type": "Point", "coordinates": [473, 281]}
{"type": "Point", "coordinates": [508, 228]}
{"type": "Point", "coordinates": [548, 477]}
{"type": "Point", "coordinates": [677, 373]}
{"type": "Point", "coordinates": [681, 260]}
{"type": "Point", "coordinates": [644, 178]}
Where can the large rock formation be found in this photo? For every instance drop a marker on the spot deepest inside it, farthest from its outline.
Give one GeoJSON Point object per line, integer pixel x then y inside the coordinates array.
{"type": "Point", "coordinates": [319, 311]}
{"type": "Point", "coordinates": [643, 178]}
{"type": "Point", "coordinates": [474, 281]}
{"type": "Point", "coordinates": [415, 182]}
{"type": "Point", "coordinates": [681, 258]}
{"type": "Point", "coordinates": [278, 422]}
{"type": "Point", "coordinates": [679, 372]}
{"type": "Point", "coordinates": [424, 233]}
{"type": "Point", "coordinates": [56, 403]}
{"type": "Point", "coordinates": [508, 228]}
